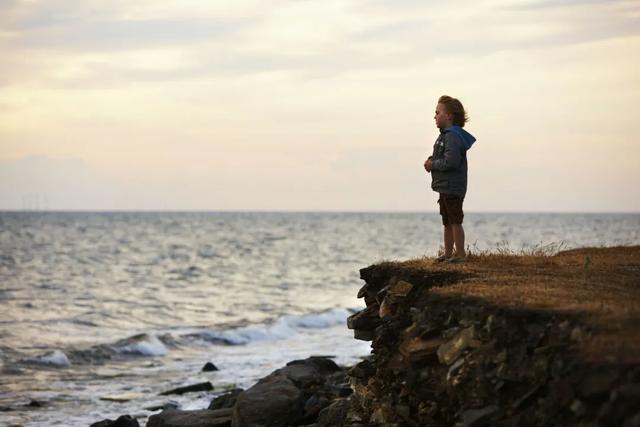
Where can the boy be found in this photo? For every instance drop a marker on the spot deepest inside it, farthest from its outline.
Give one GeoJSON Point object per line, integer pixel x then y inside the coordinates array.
{"type": "Point", "coordinates": [448, 168]}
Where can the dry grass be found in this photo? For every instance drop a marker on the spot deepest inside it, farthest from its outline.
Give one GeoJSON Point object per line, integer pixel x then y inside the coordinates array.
{"type": "Point", "coordinates": [602, 285]}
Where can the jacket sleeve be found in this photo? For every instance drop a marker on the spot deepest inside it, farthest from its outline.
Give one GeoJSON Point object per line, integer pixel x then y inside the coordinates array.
{"type": "Point", "coordinates": [452, 154]}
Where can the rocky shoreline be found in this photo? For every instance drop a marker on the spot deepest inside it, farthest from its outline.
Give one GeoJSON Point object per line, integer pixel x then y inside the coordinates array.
{"type": "Point", "coordinates": [501, 340]}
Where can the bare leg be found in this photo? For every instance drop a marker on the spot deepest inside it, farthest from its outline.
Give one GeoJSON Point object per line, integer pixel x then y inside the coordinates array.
{"type": "Point", "coordinates": [448, 240]}
{"type": "Point", "coordinates": [458, 239]}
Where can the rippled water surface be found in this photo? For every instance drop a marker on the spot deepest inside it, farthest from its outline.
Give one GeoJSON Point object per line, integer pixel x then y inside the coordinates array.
{"type": "Point", "coordinates": [102, 304]}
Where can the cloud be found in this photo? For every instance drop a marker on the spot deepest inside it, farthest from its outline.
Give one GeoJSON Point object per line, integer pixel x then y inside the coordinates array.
{"type": "Point", "coordinates": [79, 45]}
{"type": "Point", "coordinates": [164, 106]}
{"type": "Point", "coordinates": [548, 4]}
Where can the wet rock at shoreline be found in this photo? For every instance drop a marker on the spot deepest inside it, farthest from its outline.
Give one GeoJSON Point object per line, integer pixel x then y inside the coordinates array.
{"type": "Point", "coordinates": [292, 395]}
{"type": "Point", "coordinates": [206, 386]}
{"type": "Point", "coordinates": [274, 400]}
{"type": "Point", "coordinates": [195, 418]}
{"type": "Point", "coordinates": [226, 400]}
{"type": "Point", "coordinates": [164, 407]}
{"type": "Point", "coordinates": [122, 421]}
{"type": "Point", "coordinates": [209, 367]}
{"type": "Point", "coordinates": [124, 397]}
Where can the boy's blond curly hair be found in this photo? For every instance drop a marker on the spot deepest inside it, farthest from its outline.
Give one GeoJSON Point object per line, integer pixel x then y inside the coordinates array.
{"type": "Point", "coordinates": [454, 106]}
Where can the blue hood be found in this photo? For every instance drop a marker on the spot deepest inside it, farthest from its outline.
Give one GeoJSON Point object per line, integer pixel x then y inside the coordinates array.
{"type": "Point", "coordinates": [466, 137]}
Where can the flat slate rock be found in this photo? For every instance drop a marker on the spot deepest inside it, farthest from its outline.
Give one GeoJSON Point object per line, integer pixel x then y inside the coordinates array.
{"type": "Point", "coordinates": [124, 397]}
{"type": "Point", "coordinates": [206, 386]}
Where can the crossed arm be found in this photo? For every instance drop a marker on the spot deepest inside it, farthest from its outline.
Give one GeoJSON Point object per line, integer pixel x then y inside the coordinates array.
{"type": "Point", "coordinates": [452, 156]}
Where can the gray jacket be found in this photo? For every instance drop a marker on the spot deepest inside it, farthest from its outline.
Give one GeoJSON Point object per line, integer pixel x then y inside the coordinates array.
{"type": "Point", "coordinates": [449, 173]}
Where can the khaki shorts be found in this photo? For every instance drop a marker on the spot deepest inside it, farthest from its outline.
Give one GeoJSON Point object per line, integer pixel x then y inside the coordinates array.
{"type": "Point", "coordinates": [451, 208]}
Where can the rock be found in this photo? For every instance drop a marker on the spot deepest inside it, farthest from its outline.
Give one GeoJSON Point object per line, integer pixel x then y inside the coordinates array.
{"type": "Point", "coordinates": [226, 400]}
{"type": "Point", "coordinates": [196, 418]}
{"type": "Point", "coordinates": [35, 404]}
{"type": "Point", "coordinates": [453, 369]}
{"type": "Point", "coordinates": [403, 411]}
{"type": "Point", "coordinates": [292, 395]}
{"type": "Point", "coordinates": [448, 352]}
{"type": "Point", "coordinates": [630, 394]}
{"type": "Point", "coordinates": [381, 294]}
{"type": "Point", "coordinates": [363, 369]}
{"type": "Point", "coordinates": [633, 421]}
{"type": "Point", "coordinates": [577, 334]}
{"type": "Point", "coordinates": [315, 404]}
{"type": "Point", "coordinates": [343, 390]}
{"type": "Point", "coordinates": [366, 319]}
{"type": "Point", "coordinates": [385, 309]}
{"type": "Point", "coordinates": [209, 367]}
{"type": "Point", "coordinates": [335, 414]}
{"type": "Point", "coordinates": [526, 397]}
{"type": "Point", "coordinates": [206, 386]}
{"type": "Point", "coordinates": [381, 415]}
{"type": "Point", "coordinates": [364, 290]}
{"type": "Point", "coordinates": [597, 384]}
{"type": "Point", "coordinates": [577, 407]}
{"type": "Point", "coordinates": [122, 421]}
{"type": "Point", "coordinates": [308, 372]}
{"type": "Point", "coordinates": [274, 401]}
{"type": "Point", "coordinates": [417, 348]}
{"type": "Point", "coordinates": [124, 397]}
{"type": "Point", "coordinates": [490, 324]}
{"type": "Point", "coordinates": [400, 289]}
{"type": "Point", "coordinates": [479, 417]}
{"type": "Point", "coordinates": [428, 408]}
{"type": "Point", "coordinates": [164, 407]}
{"type": "Point", "coordinates": [561, 392]}
{"type": "Point", "coordinates": [363, 335]}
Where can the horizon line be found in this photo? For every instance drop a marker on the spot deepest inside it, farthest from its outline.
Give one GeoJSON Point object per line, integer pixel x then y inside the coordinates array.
{"type": "Point", "coordinates": [301, 211]}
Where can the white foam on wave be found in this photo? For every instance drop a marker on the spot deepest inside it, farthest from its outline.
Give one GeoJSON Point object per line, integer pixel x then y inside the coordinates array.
{"type": "Point", "coordinates": [282, 328]}
{"type": "Point", "coordinates": [324, 319]}
{"type": "Point", "coordinates": [150, 345]}
{"type": "Point", "coordinates": [53, 358]}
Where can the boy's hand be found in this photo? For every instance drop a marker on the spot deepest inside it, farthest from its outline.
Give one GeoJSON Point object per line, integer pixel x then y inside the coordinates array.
{"type": "Point", "coordinates": [428, 165]}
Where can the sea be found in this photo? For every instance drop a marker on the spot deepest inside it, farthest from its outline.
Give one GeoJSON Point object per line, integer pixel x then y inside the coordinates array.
{"type": "Point", "coordinates": [100, 312]}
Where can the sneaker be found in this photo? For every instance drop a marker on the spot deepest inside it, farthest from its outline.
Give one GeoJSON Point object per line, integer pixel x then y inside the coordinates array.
{"type": "Point", "coordinates": [456, 260]}
{"type": "Point", "coordinates": [441, 258]}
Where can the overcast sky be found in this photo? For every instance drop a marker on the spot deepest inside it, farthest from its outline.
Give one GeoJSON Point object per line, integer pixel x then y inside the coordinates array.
{"type": "Point", "coordinates": [316, 105]}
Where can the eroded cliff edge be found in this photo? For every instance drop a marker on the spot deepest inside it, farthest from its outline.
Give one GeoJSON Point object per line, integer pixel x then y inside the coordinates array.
{"type": "Point", "coordinates": [501, 340]}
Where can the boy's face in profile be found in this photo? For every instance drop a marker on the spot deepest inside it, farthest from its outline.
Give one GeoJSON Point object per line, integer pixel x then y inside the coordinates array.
{"type": "Point", "coordinates": [443, 118]}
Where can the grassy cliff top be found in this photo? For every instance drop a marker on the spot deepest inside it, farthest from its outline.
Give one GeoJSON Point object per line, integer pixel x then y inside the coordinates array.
{"type": "Point", "coordinates": [600, 286]}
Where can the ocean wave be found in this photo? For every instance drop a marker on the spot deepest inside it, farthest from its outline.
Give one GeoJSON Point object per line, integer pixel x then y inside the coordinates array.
{"type": "Point", "coordinates": [142, 344]}
{"type": "Point", "coordinates": [55, 358]}
{"type": "Point", "coordinates": [159, 345]}
{"type": "Point", "coordinates": [323, 319]}
{"type": "Point", "coordinates": [281, 328]}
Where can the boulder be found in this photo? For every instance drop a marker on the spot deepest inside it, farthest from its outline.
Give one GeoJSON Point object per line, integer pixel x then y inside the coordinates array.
{"type": "Point", "coordinates": [197, 418]}
{"type": "Point", "coordinates": [273, 401]}
{"type": "Point", "coordinates": [335, 414]}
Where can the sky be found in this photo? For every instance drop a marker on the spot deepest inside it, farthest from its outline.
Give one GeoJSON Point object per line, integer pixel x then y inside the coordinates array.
{"type": "Point", "coordinates": [316, 105]}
